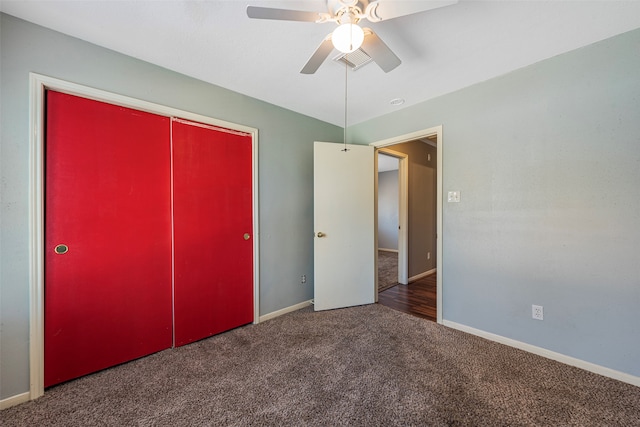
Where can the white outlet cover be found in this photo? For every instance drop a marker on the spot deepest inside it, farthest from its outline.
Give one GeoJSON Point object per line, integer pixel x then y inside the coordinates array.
{"type": "Point", "coordinates": [453, 197]}
{"type": "Point", "coordinates": [537, 312]}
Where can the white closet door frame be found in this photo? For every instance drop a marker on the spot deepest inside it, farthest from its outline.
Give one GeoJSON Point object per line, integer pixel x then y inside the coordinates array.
{"type": "Point", "coordinates": [38, 84]}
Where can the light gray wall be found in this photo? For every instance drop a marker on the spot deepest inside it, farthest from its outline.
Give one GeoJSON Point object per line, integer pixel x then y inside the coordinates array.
{"type": "Point", "coordinates": [388, 210]}
{"type": "Point", "coordinates": [547, 160]}
{"type": "Point", "coordinates": [285, 169]}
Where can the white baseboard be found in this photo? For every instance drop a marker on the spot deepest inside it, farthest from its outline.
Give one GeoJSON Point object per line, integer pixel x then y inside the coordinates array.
{"type": "Point", "coordinates": [558, 357]}
{"type": "Point", "coordinates": [285, 310]}
{"type": "Point", "coordinates": [14, 400]}
{"type": "Point", "coordinates": [421, 275]}
{"type": "Point", "coordinates": [388, 250]}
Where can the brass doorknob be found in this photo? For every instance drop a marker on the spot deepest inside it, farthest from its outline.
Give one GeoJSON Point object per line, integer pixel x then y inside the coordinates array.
{"type": "Point", "coordinates": [246, 236]}
{"type": "Point", "coordinates": [61, 249]}
{"type": "Point", "coordinates": [320, 234]}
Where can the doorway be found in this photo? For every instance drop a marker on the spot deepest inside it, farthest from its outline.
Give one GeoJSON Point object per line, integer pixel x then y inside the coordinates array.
{"type": "Point", "coordinates": [421, 263]}
{"type": "Point", "coordinates": [392, 218]}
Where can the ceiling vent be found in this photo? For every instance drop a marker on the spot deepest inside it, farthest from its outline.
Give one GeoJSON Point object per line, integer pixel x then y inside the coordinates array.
{"type": "Point", "coordinates": [356, 59]}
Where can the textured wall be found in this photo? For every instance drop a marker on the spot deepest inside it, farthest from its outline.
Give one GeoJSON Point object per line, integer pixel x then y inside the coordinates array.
{"type": "Point", "coordinates": [285, 169]}
{"type": "Point", "coordinates": [547, 160]}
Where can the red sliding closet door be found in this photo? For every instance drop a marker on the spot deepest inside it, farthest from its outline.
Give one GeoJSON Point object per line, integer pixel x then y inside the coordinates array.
{"type": "Point", "coordinates": [213, 241]}
{"type": "Point", "coordinates": [107, 236]}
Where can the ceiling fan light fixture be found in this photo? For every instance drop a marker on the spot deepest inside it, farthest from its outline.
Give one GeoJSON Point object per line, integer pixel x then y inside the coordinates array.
{"type": "Point", "coordinates": [347, 37]}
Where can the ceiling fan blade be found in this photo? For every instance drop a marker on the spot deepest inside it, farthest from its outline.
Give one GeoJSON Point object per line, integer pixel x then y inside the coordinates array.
{"type": "Point", "coordinates": [318, 56]}
{"type": "Point", "coordinates": [257, 12]}
{"type": "Point", "coordinates": [383, 10]}
{"type": "Point", "coordinates": [379, 51]}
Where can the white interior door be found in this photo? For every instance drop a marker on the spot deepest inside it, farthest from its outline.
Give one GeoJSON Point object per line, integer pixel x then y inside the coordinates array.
{"type": "Point", "coordinates": [344, 222]}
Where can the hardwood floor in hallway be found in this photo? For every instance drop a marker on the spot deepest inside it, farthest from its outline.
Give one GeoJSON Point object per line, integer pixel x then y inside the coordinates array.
{"type": "Point", "coordinates": [417, 298]}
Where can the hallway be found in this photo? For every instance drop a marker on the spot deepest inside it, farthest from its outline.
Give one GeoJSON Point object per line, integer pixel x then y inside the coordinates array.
{"type": "Point", "coordinates": [417, 298]}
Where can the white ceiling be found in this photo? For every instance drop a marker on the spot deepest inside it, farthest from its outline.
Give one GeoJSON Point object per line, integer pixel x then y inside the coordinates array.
{"type": "Point", "coordinates": [442, 50]}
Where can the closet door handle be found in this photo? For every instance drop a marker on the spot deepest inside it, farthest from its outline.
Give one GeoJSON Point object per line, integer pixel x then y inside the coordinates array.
{"type": "Point", "coordinates": [246, 236]}
{"type": "Point", "coordinates": [61, 249]}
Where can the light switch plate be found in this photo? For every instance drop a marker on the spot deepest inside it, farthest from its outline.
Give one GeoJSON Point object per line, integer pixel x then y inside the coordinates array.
{"type": "Point", "coordinates": [453, 197]}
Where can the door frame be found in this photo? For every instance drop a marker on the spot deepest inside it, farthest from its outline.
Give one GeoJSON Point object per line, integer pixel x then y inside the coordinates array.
{"type": "Point", "coordinates": [38, 84]}
{"type": "Point", "coordinates": [403, 212]}
{"type": "Point", "coordinates": [424, 133]}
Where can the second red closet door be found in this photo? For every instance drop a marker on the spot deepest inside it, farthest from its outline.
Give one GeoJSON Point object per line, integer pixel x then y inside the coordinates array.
{"type": "Point", "coordinates": [213, 226]}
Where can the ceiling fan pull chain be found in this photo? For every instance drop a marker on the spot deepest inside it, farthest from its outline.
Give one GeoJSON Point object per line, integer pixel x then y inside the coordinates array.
{"type": "Point", "coordinates": [346, 79]}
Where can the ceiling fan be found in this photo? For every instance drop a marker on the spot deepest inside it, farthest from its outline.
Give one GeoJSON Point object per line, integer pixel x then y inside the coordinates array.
{"type": "Point", "coordinates": [348, 36]}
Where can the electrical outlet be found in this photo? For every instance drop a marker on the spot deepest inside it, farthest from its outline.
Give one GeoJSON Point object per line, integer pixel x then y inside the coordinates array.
{"type": "Point", "coordinates": [303, 278]}
{"type": "Point", "coordinates": [537, 312]}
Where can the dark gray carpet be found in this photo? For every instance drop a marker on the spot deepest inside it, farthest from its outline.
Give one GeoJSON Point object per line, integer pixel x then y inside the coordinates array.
{"type": "Point", "coordinates": [363, 366]}
{"type": "Point", "coordinates": [387, 270]}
